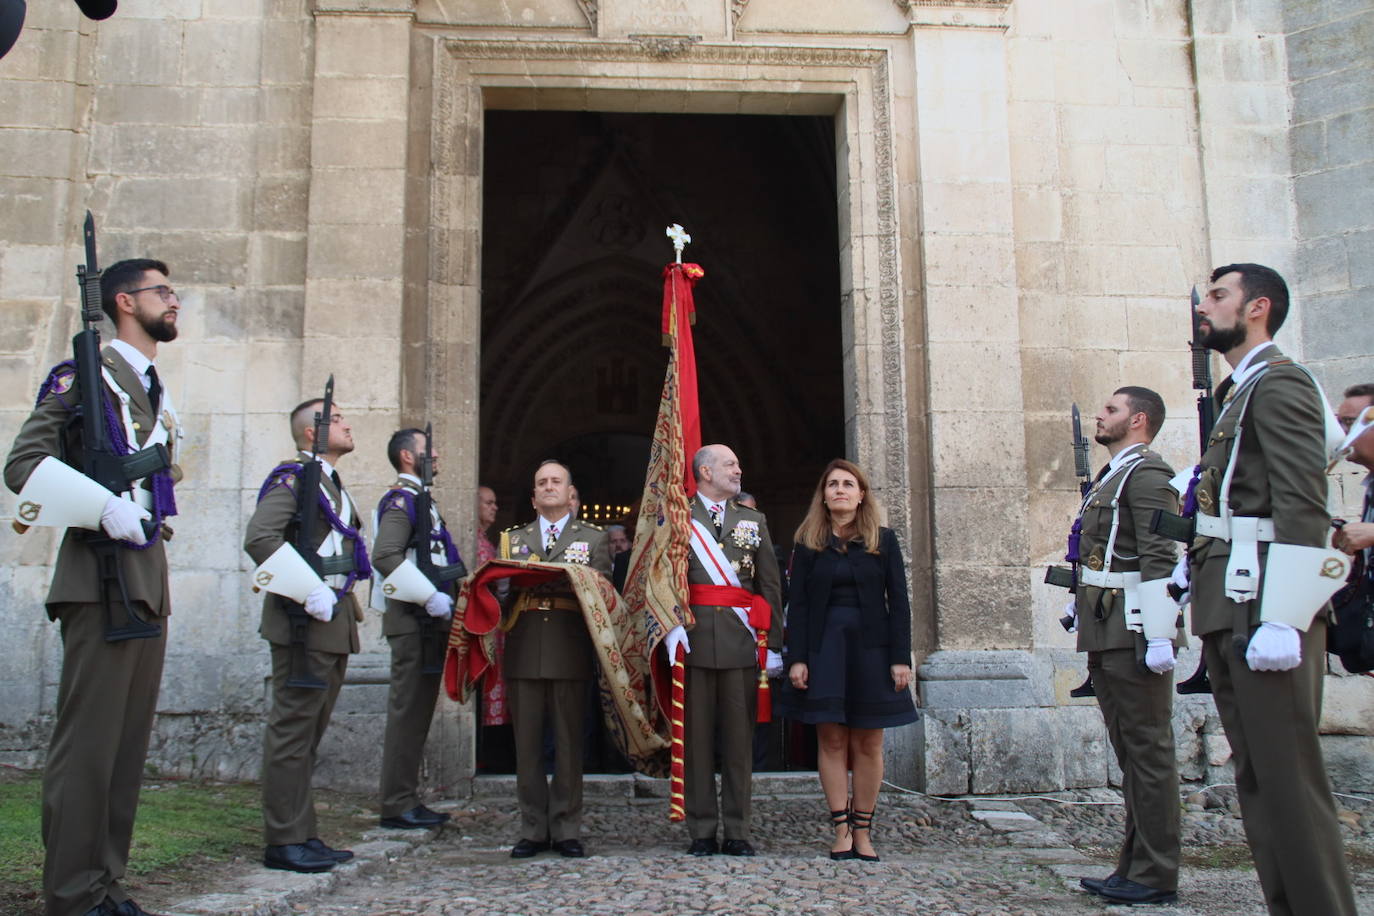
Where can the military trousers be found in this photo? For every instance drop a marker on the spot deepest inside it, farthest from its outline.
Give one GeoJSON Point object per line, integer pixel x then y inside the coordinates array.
{"type": "Point", "coordinates": [548, 813]}
{"type": "Point", "coordinates": [409, 711]}
{"type": "Point", "coordinates": [1137, 707]}
{"type": "Point", "coordinates": [720, 701]}
{"type": "Point", "coordinates": [106, 700]}
{"type": "Point", "coordinates": [295, 724]}
{"type": "Point", "coordinates": [1271, 721]}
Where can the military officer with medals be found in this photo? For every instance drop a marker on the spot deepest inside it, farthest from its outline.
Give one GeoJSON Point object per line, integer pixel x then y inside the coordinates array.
{"type": "Point", "coordinates": [407, 595]}
{"type": "Point", "coordinates": [548, 664]}
{"type": "Point", "coordinates": [300, 714]}
{"type": "Point", "coordinates": [1128, 624]}
{"type": "Point", "coordinates": [731, 552]}
{"type": "Point", "coordinates": [1261, 572]}
{"type": "Point", "coordinates": [108, 691]}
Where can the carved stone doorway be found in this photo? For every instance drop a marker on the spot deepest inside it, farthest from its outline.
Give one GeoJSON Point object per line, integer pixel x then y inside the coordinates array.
{"type": "Point", "coordinates": [574, 208]}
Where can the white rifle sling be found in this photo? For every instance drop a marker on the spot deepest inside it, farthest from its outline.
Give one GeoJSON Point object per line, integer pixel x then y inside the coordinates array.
{"type": "Point", "coordinates": [1158, 611]}
{"type": "Point", "coordinates": [57, 495]}
{"type": "Point", "coordinates": [1298, 581]}
{"type": "Point", "coordinates": [287, 574]}
{"type": "Point", "coordinates": [407, 583]}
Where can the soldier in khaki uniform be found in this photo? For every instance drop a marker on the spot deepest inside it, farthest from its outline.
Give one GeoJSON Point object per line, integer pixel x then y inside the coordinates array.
{"type": "Point", "coordinates": [410, 702]}
{"type": "Point", "coordinates": [1262, 483]}
{"type": "Point", "coordinates": [547, 666]}
{"type": "Point", "coordinates": [1127, 623]}
{"type": "Point", "coordinates": [300, 715]}
{"type": "Point", "coordinates": [722, 654]}
{"type": "Point", "coordinates": [108, 690]}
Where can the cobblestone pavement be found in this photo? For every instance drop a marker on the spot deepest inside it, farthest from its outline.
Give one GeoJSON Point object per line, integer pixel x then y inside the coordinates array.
{"type": "Point", "coordinates": [975, 857]}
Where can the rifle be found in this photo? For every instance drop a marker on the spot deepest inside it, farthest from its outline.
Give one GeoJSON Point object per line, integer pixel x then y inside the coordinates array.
{"type": "Point", "coordinates": [301, 533]}
{"type": "Point", "coordinates": [441, 577]}
{"type": "Point", "coordinates": [100, 462]}
{"type": "Point", "coordinates": [1067, 576]}
{"type": "Point", "coordinates": [1198, 682]}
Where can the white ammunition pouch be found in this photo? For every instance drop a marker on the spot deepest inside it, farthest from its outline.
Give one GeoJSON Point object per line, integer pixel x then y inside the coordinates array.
{"type": "Point", "coordinates": [1130, 593]}
{"type": "Point", "coordinates": [406, 583]}
{"type": "Point", "coordinates": [57, 495]}
{"type": "Point", "coordinates": [287, 574]}
{"type": "Point", "coordinates": [1158, 611]}
{"type": "Point", "coordinates": [1298, 581]}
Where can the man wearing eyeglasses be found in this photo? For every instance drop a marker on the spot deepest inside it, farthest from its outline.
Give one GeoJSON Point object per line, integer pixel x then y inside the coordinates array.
{"type": "Point", "coordinates": [108, 691]}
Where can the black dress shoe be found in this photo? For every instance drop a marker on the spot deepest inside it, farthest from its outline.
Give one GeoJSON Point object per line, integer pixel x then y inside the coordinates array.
{"type": "Point", "coordinates": [569, 849]}
{"type": "Point", "coordinates": [737, 848]}
{"type": "Point", "coordinates": [705, 847]}
{"type": "Point", "coordinates": [1128, 891]}
{"type": "Point", "coordinates": [296, 857]}
{"type": "Point", "coordinates": [320, 846]}
{"type": "Point", "coordinates": [528, 848]}
{"type": "Point", "coordinates": [130, 908]}
{"type": "Point", "coordinates": [417, 818]}
{"type": "Point", "coordinates": [1096, 884]}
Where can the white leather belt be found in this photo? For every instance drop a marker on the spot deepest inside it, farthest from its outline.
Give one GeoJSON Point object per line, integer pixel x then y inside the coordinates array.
{"type": "Point", "coordinates": [1211, 526]}
{"type": "Point", "coordinates": [1100, 579]}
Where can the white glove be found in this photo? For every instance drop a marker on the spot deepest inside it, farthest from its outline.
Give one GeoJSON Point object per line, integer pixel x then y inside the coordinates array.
{"type": "Point", "coordinates": [1071, 611]}
{"type": "Point", "coordinates": [320, 603]}
{"type": "Point", "coordinates": [677, 636]}
{"type": "Point", "coordinates": [1159, 655]}
{"type": "Point", "coordinates": [438, 605]}
{"type": "Point", "coordinates": [123, 520]}
{"type": "Point", "coordinates": [1180, 578]}
{"type": "Point", "coordinates": [774, 664]}
{"type": "Point", "coordinates": [1274, 647]}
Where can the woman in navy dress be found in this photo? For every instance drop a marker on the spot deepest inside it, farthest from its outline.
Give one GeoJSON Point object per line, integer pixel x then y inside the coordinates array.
{"type": "Point", "coordinates": [848, 647]}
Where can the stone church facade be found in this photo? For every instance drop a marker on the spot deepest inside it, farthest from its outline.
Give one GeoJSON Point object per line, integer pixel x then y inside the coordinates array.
{"type": "Point", "coordinates": [927, 227]}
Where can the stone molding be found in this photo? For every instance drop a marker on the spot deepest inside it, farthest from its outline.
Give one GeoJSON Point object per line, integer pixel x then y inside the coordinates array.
{"type": "Point", "coordinates": [960, 14]}
{"type": "Point", "coordinates": [590, 10]}
{"type": "Point", "coordinates": [665, 46]}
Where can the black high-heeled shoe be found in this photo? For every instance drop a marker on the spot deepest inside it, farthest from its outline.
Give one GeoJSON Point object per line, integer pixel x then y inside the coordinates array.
{"type": "Point", "coordinates": [841, 819]}
{"type": "Point", "coordinates": [861, 820]}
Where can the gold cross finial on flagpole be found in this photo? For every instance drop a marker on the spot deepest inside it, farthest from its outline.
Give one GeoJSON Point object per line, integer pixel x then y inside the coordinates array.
{"type": "Point", "coordinates": [680, 239]}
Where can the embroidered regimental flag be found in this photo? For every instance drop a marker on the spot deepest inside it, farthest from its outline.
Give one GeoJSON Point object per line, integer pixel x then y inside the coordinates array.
{"type": "Point", "coordinates": [656, 583]}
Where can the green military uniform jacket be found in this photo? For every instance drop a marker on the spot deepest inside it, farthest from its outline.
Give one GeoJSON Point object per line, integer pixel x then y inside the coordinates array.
{"type": "Point", "coordinates": [391, 546]}
{"type": "Point", "coordinates": [1279, 474]}
{"type": "Point", "coordinates": [1145, 488]}
{"type": "Point", "coordinates": [49, 431]}
{"type": "Point", "coordinates": [552, 643]}
{"type": "Point", "coordinates": [266, 532]}
{"type": "Point", "coordinates": [718, 638]}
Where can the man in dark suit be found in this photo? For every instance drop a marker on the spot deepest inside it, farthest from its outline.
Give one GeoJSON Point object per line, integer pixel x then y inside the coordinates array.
{"type": "Point", "coordinates": [548, 665]}
{"type": "Point", "coordinates": [108, 691]}
{"type": "Point", "coordinates": [1127, 623]}
{"type": "Point", "coordinates": [1262, 486]}
{"type": "Point", "coordinates": [412, 693]}
{"type": "Point", "coordinates": [731, 549]}
{"type": "Point", "coordinates": [300, 715]}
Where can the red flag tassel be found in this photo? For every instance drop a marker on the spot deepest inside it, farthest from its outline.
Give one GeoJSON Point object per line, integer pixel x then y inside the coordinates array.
{"type": "Point", "coordinates": [677, 780]}
{"type": "Point", "coordinates": [765, 692]}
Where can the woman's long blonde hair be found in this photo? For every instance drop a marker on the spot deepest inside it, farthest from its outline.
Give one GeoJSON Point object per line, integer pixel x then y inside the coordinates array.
{"type": "Point", "coordinates": [815, 530]}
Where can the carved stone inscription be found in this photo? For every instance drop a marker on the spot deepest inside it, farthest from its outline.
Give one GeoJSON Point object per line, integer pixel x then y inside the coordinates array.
{"type": "Point", "coordinates": [706, 18]}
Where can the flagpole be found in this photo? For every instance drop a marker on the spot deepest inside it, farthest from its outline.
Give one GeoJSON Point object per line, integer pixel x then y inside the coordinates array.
{"type": "Point", "coordinates": [677, 778]}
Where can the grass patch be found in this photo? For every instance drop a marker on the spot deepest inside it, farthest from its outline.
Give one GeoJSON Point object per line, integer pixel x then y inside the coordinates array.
{"type": "Point", "coordinates": [179, 824]}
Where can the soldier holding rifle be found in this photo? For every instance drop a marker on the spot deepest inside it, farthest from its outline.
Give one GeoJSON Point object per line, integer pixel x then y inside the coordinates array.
{"type": "Point", "coordinates": [304, 536]}
{"type": "Point", "coordinates": [1261, 574]}
{"type": "Point", "coordinates": [422, 568]}
{"type": "Point", "coordinates": [1128, 623]}
{"type": "Point", "coordinates": [94, 458]}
